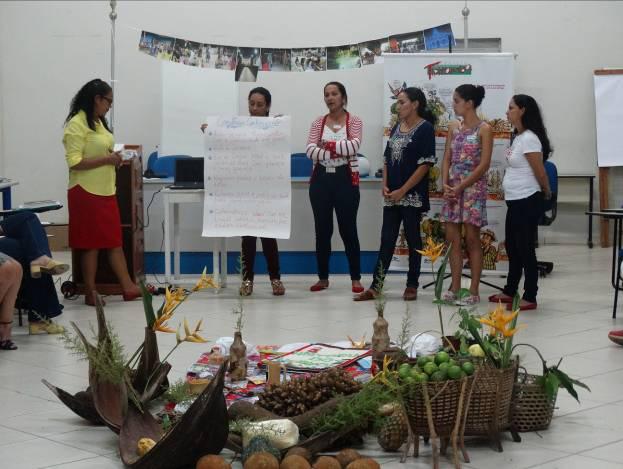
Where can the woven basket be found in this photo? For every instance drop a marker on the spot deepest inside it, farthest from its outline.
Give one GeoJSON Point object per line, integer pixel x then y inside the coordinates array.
{"type": "Point", "coordinates": [445, 397]}
{"type": "Point", "coordinates": [490, 404]}
{"type": "Point", "coordinates": [531, 409]}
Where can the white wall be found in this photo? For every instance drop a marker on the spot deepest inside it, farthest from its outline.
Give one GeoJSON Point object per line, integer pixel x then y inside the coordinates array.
{"type": "Point", "coordinates": [49, 49]}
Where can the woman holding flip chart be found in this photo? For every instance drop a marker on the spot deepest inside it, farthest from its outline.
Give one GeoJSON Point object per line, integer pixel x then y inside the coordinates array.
{"type": "Point", "coordinates": [259, 106]}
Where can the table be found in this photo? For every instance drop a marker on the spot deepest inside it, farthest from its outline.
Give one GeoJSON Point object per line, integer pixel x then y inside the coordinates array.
{"type": "Point", "coordinates": [615, 214]}
{"type": "Point", "coordinates": [591, 181]}
{"type": "Point", "coordinates": [172, 198]}
{"type": "Point", "coordinates": [5, 189]}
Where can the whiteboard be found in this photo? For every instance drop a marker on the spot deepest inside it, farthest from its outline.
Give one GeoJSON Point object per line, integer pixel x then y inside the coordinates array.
{"type": "Point", "coordinates": [189, 94]}
{"type": "Point", "coordinates": [609, 116]}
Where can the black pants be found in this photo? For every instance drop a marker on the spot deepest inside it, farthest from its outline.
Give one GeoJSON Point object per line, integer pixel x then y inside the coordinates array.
{"type": "Point", "coordinates": [522, 220]}
{"type": "Point", "coordinates": [271, 253]}
{"type": "Point", "coordinates": [410, 217]}
{"type": "Point", "coordinates": [328, 192]}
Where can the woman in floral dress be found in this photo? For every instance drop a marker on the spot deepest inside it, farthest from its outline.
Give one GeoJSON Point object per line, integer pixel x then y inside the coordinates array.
{"type": "Point", "coordinates": [464, 174]}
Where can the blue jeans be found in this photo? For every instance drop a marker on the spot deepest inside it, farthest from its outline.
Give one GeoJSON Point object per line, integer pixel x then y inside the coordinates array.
{"type": "Point", "coordinates": [25, 240]}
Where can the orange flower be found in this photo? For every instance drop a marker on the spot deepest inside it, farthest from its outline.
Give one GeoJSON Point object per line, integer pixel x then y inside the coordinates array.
{"type": "Point", "coordinates": [205, 281]}
{"type": "Point", "coordinates": [498, 321]}
{"type": "Point", "coordinates": [161, 323]}
{"type": "Point", "coordinates": [432, 251]}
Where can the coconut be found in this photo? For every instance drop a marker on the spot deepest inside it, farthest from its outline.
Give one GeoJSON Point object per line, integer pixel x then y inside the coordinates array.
{"type": "Point", "coordinates": [299, 451]}
{"type": "Point", "coordinates": [326, 462]}
{"type": "Point", "coordinates": [212, 461]}
{"type": "Point", "coordinates": [261, 461]}
{"type": "Point", "coordinates": [364, 463]}
{"type": "Point", "coordinates": [294, 461]}
{"type": "Point", "coordinates": [346, 456]}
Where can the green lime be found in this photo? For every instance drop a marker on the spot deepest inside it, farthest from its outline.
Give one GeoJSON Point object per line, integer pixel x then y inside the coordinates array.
{"type": "Point", "coordinates": [409, 380]}
{"type": "Point", "coordinates": [421, 378]}
{"type": "Point", "coordinates": [468, 368]}
{"type": "Point", "coordinates": [404, 370]}
{"type": "Point", "coordinates": [452, 361]}
{"type": "Point", "coordinates": [444, 366]}
{"type": "Point", "coordinates": [438, 376]}
{"type": "Point", "coordinates": [454, 372]}
{"type": "Point", "coordinates": [421, 361]}
{"type": "Point", "coordinates": [441, 357]}
{"type": "Point", "coordinates": [414, 372]}
{"type": "Point", "coordinates": [430, 368]}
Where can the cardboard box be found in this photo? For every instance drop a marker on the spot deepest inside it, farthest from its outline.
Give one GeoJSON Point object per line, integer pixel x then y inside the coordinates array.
{"type": "Point", "coordinates": [58, 237]}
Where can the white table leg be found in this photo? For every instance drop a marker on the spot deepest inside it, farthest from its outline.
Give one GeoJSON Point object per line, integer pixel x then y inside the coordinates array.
{"type": "Point", "coordinates": [223, 249]}
{"type": "Point", "coordinates": [216, 270]}
{"type": "Point", "coordinates": [167, 239]}
{"type": "Point", "coordinates": [176, 242]}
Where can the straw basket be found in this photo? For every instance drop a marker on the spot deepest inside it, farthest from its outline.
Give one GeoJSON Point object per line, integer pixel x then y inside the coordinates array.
{"type": "Point", "coordinates": [531, 409]}
{"type": "Point", "coordinates": [490, 404]}
{"type": "Point", "coordinates": [435, 410]}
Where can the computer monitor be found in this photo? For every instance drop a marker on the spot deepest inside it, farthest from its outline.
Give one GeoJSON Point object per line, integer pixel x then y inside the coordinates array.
{"type": "Point", "coordinates": [188, 170]}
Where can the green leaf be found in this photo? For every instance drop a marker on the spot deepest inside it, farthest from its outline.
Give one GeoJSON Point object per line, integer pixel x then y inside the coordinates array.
{"type": "Point", "coordinates": [568, 382]}
{"type": "Point", "coordinates": [441, 273]}
{"type": "Point", "coordinates": [551, 385]}
{"type": "Point", "coordinates": [463, 293]}
{"type": "Point", "coordinates": [147, 305]}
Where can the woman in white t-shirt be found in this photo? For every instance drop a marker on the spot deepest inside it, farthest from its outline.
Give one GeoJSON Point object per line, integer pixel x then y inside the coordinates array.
{"type": "Point", "coordinates": [525, 186]}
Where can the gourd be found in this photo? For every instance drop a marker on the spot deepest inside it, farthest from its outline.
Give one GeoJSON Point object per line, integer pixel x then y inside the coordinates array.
{"type": "Point", "coordinates": [281, 433]}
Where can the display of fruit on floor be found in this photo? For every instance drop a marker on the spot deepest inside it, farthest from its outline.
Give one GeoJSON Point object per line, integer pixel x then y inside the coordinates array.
{"type": "Point", "coordinates": [261, 461]}
{"type": "Point", "coordinates": [299, 395]}
{"type": "Point", "coordinates": [439, 367]}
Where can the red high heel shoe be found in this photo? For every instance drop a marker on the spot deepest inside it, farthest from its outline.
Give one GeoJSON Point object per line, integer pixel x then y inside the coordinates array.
{"type": "Point", "coordinates": [357, 289]}
{"type": "Point", "coordinates": [131, 295]}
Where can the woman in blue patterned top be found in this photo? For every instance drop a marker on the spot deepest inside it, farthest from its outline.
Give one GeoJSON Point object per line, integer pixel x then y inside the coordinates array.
{"type": "Point", "coordinates": [409, 155]}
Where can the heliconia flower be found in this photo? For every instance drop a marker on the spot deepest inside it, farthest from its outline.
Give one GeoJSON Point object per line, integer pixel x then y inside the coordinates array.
{"type": "Point", "coordinates": [498, 321]}
{"type": "Point", "coordinates": [206, 281]}
{"type": "Point", "coordinates": [178, 336]}
{"type": "Point", "coordinates": [187, 327]}
{"type": "Point", "coordinates": [160, 324]}
{"type": "Point", "coordinates": [432, 251]}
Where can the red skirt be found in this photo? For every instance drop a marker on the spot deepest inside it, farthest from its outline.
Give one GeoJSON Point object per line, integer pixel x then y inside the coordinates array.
{"type": "Point", "coordinates": [94, 221]}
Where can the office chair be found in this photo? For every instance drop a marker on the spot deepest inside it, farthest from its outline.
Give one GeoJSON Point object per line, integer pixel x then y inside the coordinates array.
{"type": "Point", "coordinates": [549, 213]}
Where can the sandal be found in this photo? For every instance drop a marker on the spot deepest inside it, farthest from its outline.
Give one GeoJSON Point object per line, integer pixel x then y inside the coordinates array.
{"type": "Point", "coordinates": [7, 345]}
{"type": "Point", "coordinates": [367, 295]}
{"type": "Point", "coordinates": [45, 327]}
{"type": "Point", "coordinates": [469, 300]}
{"type": "Point", "coordinates": [319, 285]}
{"type": "Point", "coordinates": [246, 288]}
{"type": "Point", "coordinates": [449, 296]}
{"type": "Point", "coordinates": [51, 268]}
{"type": "Point", "coordinates": [500, 298]}
{"type": "Point", "coordinates": [278, 288]}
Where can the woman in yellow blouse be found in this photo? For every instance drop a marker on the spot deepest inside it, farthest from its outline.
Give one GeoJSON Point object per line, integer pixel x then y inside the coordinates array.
{"type": "Point", "coordinates": [94, 221]}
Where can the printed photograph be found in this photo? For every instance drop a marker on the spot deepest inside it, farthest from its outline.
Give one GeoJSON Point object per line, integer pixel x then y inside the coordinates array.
{"type": "Point", "coordinates": [275, 60]}
{"type": "Point", "coordinates": [439, 37]}
{"type": "Point", "coordinates": [156, 45]}
{"type": "Point", "coordinates": [246, 73]}
{"type": "Point", "coordinates": [248, 56]}
{"type": "Point", "coordinates": [370, 51]}
{"type": "Point", "coordinates": [224, 57]}
{"type": "Point", "coordinates": [343, 57]}
{"type": "Point", "coordinates": [407, 43]}
{"type": "Point", "coordinates": [187, 52]}
{"type": "Point", "coordinates": [309, 60]}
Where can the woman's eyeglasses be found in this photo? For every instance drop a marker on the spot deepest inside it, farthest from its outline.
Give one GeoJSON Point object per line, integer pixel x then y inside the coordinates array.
{"type": "Point", "coordinates": [108, 99]}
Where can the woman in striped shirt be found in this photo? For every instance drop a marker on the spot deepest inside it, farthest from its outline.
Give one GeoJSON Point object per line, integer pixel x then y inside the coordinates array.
{"type": "Point", "coordinates": [333, 142]}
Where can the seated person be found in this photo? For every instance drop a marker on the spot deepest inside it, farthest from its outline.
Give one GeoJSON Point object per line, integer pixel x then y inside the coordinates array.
{"type": "Point", "coordinates": [23, 238]}
{"type": "Point", "coordinates": [10, 278]}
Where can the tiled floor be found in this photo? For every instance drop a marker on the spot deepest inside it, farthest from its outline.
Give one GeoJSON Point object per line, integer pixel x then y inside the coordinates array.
{"type": "Point", "coordinates": [573, 319]}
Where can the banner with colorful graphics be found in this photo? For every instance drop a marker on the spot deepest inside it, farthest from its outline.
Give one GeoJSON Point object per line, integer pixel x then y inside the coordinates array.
{"type": "Point", "coordinates": [438, 75]}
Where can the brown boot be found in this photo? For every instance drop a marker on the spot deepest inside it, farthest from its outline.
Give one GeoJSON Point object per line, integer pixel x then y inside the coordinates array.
{"type": "Point", "coordinates": [410, 294]}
